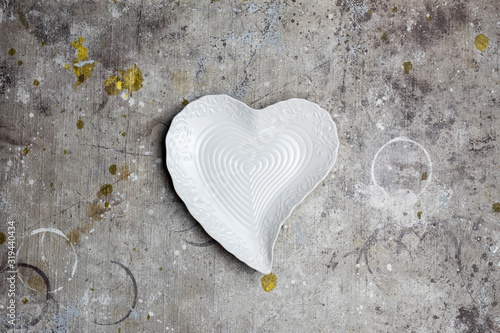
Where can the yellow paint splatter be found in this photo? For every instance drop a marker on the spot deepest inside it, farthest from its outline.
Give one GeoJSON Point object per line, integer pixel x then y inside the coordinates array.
{"type": "Point", "coordinates": [82, 66]}
{"type": "Point", "coordinates": [67, 66]}
{"type": "Point", "coordinates": [130, 79]}
{"type": "Point", "coordinates": [80, 123]}
{"type": "Point", "coordinates": [107, 204]}
{"type": "Point", "coordinates": [36, 82]}
{"type": "Point", "coordinates": [112, 169]}
{"type": "Point", "coordinates": [428, 17]}
{"type": "Point", "coordinates": [394, 9]}
{"type": "Point", "coordinates": [65, 151]}
{"type": "Point", "coordinates": [384, 37]}
{"type": "Point", "coordinates": [407, 67]}
{"type": "Point", "coordinates": [25, 300]}
{"type": "Point", "coordinates": [185, 102]}
{"type": "Point", "coordinates": [481, 42]}
{"type": "Point", "coordinates": [12, 52]}
{"type": "Point", "coordinates": [3, 238]}
{"type": "Point", "coordinates": [496, 207]}
{"type": "Point", "coordinates": [419, 214]}
{"type": "Point", "coordinates": [269, 282]}
{"type": "Point", "coordinates": [19, 62]}
{"type": "Point", "coordinates": [424, 176]}
{"type": "Point", "coordinates": [124, 133]}
{"type": "Point", "coordinates": [105, 190]}
{"type": "Point", "coordinates": [26, 151]}
{"type": "Point", "coordinates": [148, 317]}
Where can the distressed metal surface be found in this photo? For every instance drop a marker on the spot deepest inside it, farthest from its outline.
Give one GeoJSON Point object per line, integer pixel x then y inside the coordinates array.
{"type": "Point", "coordinates": [402, 236]}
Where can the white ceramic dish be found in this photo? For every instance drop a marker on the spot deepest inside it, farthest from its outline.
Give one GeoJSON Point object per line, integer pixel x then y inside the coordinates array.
{"type": "Point", "coordinates": [242, 171]}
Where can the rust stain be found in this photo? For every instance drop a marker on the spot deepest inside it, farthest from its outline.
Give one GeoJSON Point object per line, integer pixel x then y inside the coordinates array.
{"type": "Point", "coordinates": [95, 210]}
{"type": "Point", "coordinates": [74, 236]}
{"type": "Point", "coordinates": [123, 172]}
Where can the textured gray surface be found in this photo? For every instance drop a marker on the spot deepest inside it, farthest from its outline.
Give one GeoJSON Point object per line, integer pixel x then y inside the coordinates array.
{"type": "Point", "coordinates": [402, 236]}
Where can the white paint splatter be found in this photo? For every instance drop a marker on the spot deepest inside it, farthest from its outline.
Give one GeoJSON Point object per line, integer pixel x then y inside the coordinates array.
{"type": "Point", "coordinates": [59, 233]}
{"type": "Point", "coordinates": [22, 95]}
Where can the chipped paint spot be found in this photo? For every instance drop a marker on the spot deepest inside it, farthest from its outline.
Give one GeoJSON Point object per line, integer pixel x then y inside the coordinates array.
{"type": "Point", "coordinates": [130, 79]}
{"type": "Point", "coordinates": [481, 42]}
{"type": "Point", "coordinates": [269, 282]}
{"type": "Point", "coordinates": [80, 123]}
{"type": "Point", "coordinates": [82, 66]}
{"type": "Point", "coordinates": [105, 190]}
{"type": "Point", "coordinates": [407, 67]}
{"type": "Point", "coordinates": [496, 207]}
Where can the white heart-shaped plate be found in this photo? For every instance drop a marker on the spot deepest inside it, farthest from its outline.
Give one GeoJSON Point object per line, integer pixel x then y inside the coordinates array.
{"type": "Point", "coordinates": [242, 171]}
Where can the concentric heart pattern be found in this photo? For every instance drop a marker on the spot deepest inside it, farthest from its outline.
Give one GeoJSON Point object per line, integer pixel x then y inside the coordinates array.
{"type": "Point", "coordinates": [242, 171]}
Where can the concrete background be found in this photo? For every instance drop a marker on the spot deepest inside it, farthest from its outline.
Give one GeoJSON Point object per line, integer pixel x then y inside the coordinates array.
{"type": "Point", "coordinates": [402, 236]}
